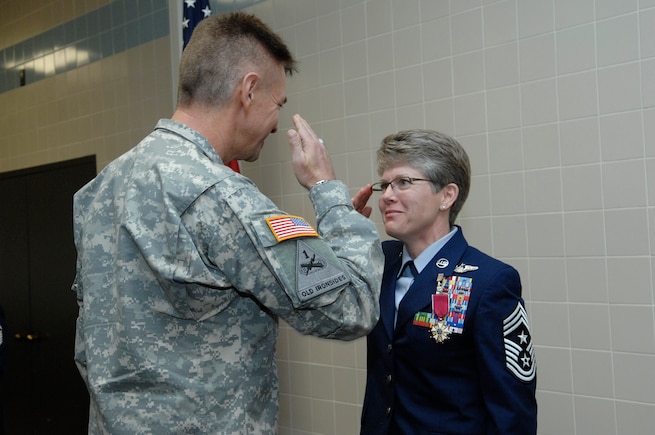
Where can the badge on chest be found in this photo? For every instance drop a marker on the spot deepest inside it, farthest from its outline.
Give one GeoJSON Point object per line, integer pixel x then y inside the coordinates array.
{"type": "Point", "coordinates": [449, 306]}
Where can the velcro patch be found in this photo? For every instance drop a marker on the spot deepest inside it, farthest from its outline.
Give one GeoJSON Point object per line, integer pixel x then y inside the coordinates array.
{"type": "Point", "coordinates": [315, 275]}
{"type": "Point", "coordinates": [290, 227]}
{"type": "Point", "coordinates": [519, 352]}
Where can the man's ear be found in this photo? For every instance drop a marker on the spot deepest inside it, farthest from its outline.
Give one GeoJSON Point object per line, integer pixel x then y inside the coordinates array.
{"type": "Point", "coordinates": [248, 85]}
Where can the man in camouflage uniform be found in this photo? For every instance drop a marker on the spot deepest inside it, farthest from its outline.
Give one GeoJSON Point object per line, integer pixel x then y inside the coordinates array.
{"type": "Point", "coordinates": [184, 266]}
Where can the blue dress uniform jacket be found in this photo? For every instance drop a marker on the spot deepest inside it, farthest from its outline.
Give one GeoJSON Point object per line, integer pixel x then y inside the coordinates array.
{"type": "Point", "coordinates": [481, 381]}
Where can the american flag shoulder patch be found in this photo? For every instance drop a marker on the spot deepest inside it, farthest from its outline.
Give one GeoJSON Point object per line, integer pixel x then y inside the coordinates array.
{"type": "Point", "coordinates": [290, 227]}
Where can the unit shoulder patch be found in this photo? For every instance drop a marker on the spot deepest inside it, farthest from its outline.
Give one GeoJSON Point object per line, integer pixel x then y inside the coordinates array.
{"type": "Point", "coordinates": [315, 275]}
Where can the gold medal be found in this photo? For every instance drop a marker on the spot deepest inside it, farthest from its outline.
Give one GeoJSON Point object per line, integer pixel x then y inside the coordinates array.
{"type": "Point", "coordinates": [440, 331]}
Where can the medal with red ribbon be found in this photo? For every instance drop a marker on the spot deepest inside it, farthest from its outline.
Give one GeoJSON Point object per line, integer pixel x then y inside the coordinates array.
{"type": "Point", "coordinates": [440, 330]}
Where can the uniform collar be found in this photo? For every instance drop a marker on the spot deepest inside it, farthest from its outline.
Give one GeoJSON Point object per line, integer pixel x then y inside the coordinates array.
{"type": "Point", "coordinates": [428, 253]}
{"type": "Point", "coordinates": [191, 135]}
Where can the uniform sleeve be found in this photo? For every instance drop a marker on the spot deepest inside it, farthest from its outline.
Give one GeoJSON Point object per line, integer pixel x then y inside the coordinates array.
{"type": "Point", "coordinates": [506, 356]}
{"type": "Point", "coordinates": [325, 285]}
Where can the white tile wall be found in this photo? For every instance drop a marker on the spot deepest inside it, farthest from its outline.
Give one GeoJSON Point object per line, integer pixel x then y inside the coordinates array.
{"type": "Point", "coordinates": [633, 417]}
{"type": "Point", "coordinates": [554, 101]}
{"type": "Point", "coordinates": [594, 416]}
{"type": "Point", "coordinates": [568, 13]}
{"type": "Point", "coordinates": [537, 57]}
{"type": "Point", "coordinates": [576, 49]}
{"type": "Point", "coordinates": [586, 334]}
{"type": "Point", "coordinates": [557, 413]}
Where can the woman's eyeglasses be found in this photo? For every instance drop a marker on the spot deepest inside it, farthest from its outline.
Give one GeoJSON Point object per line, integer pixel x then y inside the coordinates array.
{"type": "Point", "coordinates": [398, 183]}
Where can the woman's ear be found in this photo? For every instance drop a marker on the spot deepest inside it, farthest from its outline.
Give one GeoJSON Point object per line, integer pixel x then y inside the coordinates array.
{"type": "Point", "coordinates": [450, 193]}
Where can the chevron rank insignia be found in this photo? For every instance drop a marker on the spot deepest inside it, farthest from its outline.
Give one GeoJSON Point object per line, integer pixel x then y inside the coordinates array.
{"type": "Point", "coordinates": [519, 352]}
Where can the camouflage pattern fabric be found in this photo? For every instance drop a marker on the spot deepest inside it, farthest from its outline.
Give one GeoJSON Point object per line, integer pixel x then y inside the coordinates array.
{"type": "Point", "coordinates": [180, 283]}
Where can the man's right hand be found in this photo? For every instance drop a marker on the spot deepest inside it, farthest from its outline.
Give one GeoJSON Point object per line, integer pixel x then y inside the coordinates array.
{"type": "Point", "coordinates": [309, 157]}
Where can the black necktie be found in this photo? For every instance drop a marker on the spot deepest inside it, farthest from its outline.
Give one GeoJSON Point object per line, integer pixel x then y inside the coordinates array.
{"type": "Point", "coordinates": [409, 270]}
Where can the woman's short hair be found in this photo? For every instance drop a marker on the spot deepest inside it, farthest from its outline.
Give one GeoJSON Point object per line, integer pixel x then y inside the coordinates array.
{"type": "Point", "coordinates": [439, 157]}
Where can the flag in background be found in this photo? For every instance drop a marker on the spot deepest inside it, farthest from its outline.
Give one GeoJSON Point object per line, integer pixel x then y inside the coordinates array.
{"type": "Point", "coordinates": [193, 12]}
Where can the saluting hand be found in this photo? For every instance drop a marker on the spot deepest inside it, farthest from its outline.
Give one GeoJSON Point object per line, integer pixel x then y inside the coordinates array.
{"type": "Point", "coordinates": [361, 198]}
{"type": "Point", "coordinates": [309, 157]}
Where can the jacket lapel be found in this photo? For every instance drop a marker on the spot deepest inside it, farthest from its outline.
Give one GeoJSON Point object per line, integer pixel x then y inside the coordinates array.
{"type": "Point", "coordinates": [393, 257]}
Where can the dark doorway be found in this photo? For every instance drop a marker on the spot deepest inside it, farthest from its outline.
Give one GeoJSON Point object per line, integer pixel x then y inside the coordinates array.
{"type": "Point", "coordinates": [42, 392]}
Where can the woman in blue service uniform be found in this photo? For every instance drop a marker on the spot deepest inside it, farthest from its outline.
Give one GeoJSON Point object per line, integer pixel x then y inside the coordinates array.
{"type": "Point", "coordinates": [452, 351]}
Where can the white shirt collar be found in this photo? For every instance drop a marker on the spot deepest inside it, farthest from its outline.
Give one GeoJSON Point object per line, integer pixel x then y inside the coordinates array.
{"type": "Point", "coordinates": [424, 258]}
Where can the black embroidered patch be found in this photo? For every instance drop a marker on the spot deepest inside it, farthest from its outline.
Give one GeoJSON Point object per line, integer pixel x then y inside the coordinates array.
{"type": "Point", "coordinates": [315, 275]}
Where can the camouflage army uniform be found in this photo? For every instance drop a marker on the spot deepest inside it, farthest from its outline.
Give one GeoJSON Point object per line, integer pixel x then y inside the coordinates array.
{"type": "Point", "coordinates": [180, 282]}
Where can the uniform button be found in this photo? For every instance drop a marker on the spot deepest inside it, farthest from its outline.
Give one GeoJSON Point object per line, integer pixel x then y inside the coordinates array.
{"type": "Point", "coordinates": [389, 411]}
{"type": "Point", "coordinates": [388, 379]}
{"type": "Point", "coordinates": [389, 347]}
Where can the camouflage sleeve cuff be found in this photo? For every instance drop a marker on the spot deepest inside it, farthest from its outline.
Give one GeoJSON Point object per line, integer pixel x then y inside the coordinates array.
{"type": "Point", "coordinates": [326, 195]}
